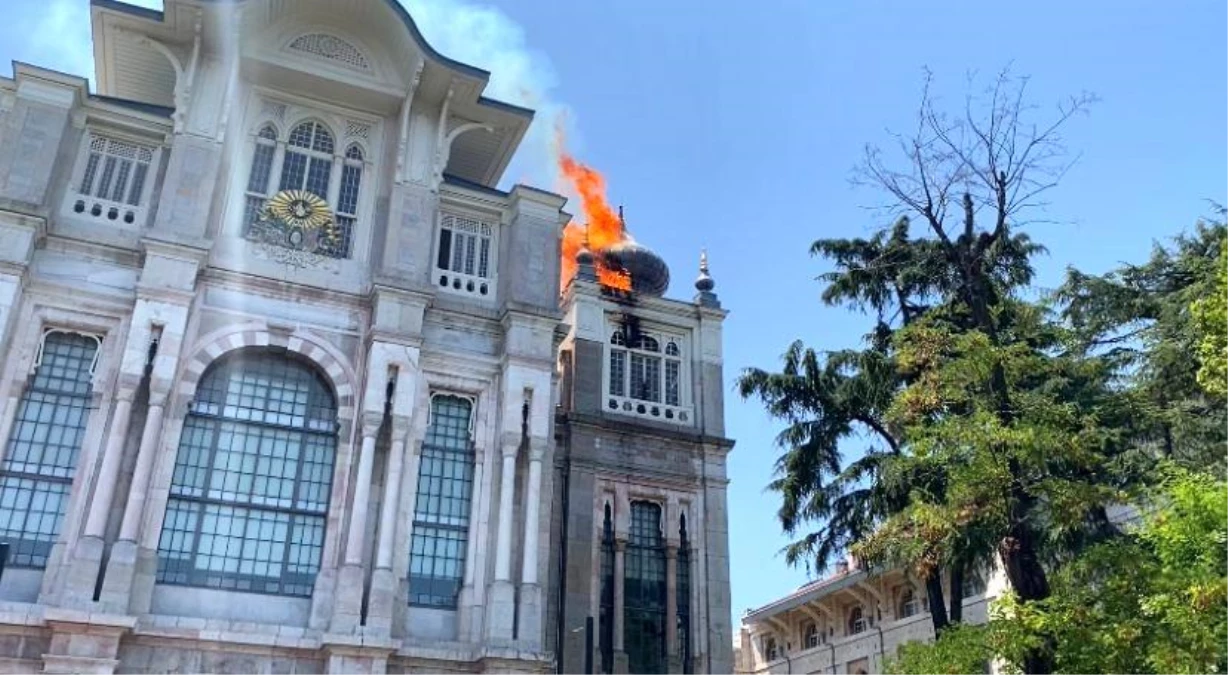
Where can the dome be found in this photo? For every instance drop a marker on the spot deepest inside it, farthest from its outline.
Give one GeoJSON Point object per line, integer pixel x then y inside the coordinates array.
{"type": "Point", "coordinates": [649, 274]}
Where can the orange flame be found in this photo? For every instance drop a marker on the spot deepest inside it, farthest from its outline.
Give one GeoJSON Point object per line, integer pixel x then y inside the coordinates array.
{"type": "Point", "coordinates": [604, 227]}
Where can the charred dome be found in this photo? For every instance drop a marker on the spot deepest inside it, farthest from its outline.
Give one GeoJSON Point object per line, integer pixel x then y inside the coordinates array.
{"type": "Point", "coordinates": [649, 273]}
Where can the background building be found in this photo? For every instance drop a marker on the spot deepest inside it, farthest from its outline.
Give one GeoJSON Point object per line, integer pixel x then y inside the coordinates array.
{"type": "Point", "coordinates": [288, 387]}
{"type": "Point", "coordinates": [850, 622]}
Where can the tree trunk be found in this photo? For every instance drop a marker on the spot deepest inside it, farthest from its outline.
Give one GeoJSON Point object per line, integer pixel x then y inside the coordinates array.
{"type": "Point", "coordinates": [938, 607]}
{"type": "Point", "coordinates": [1028, 579]}
{"type": "Point", "coordinates": [957, 592]}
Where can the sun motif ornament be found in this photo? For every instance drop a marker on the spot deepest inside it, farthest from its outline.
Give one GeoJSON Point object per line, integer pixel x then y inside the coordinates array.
{"type": "Point", "coordinates": [300, 221]}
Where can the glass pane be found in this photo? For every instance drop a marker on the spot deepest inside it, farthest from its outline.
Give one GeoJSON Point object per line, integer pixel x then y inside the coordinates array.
{"type": "Point", "coordinates": [253, 446]}
{"type": "Point", "coordinates": [441, 512]}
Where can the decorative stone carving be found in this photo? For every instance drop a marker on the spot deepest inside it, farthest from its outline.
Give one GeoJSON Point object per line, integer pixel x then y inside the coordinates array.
{"type": "Point", "coordinates": [296, 227]}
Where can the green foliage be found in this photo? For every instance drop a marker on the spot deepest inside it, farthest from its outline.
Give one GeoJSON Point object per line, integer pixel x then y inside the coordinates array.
{"type": "Point", "coordinates": [1211, 321]}
{"type": "Point", "coordinates": [1151, 601]}
{"type": "Point", "coordinates": [1145, 319]}
{"type": "Point", "coordinates": [959, 649]}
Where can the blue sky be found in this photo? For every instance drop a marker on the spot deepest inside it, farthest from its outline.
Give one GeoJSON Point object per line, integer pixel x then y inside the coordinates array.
{"type": "Point", "coordinates": [734, 126]}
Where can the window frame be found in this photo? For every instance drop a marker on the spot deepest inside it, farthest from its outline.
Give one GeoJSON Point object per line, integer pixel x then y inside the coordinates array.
{"type": "Point", "coordinates": [210, 419]}
{"type": "Point", "coordinates": [459, 282]}
{"type": "Point", "coordinates": [621, 400]}
{"type": "Point", "coordinates": [35, 473]}
{"type": "Point", "coordinates": [79, 205]}
{"type": "Point", "coordinates": [419, 520]}
{"type": "Point", "coordinates": [335, 121]}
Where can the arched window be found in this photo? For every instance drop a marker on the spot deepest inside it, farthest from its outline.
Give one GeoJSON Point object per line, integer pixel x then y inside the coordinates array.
{"type": "Point", "coordinates": [606, 628]}
{"type": "Point", "coordinates": [771, 651]}
{"type": "Point", "coordinates": [908, 605]}
{"type": "Point", "coordinates": [644, 591]}
{"type": "Point", "coordinates": [249, 494]}
{"type": "Point", "coordinates": [857, 622]}
{"type": "Point", "coordinates": [810, 634]}
{"type": "Point", "coordinates": [640, 369]}
{"type": "Point", "coordinates": [41, 457]}
{"type": "Point", "coordinates": [347, 196]}
{"type": "Point", "coordinates": [441, 513]}
{"type": "Point", "coordinates": [308, 163]}
{"type": "Point", "coordinates": [304, 161]}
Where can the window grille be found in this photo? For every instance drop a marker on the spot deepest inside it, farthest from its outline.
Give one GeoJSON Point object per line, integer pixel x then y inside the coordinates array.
{"type": "Point", "coordinates": [41, 458]}
{"type": "Point", "coordinates": [250, 488]}
{"type": "Point", "coordinates": [332, 48]}
{"type": "Point", "coordinates": [644, 591]}
{"type": "Point", "coordinates": [606, 627]}
{"type": "Point", "coordinates": [465, 260]}
{"type": "Point", "coordinates": [641, 374]}
{"type": "Point", "coordinates": [112, 183]}
{"type": "Point", "coordinates": [441, 513]}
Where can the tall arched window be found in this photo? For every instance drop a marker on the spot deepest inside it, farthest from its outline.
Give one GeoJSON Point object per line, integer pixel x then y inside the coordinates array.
{"type": "Point", "coordinates": [308, 164]}
{"type": "Point", "coordinates": [304, 161]}
{"type": "Point", "coordinates": [684, 595]}
{"type": "Point", "coordinates": [644, 591]}
{"type": "Point", "coordinates": [249, 494]}
{"type": "Point", "coordinates": [607, 593]}
{"type": "Point", "coordinates": [41, 457]}
{"type": "Point", "coordinates": [441, 513]}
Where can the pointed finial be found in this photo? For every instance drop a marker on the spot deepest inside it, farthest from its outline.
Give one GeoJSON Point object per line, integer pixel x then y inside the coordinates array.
{"type": "Point", "coordinates": [621, 220]}
{"type": "Point", "coordinates": [705, 283]}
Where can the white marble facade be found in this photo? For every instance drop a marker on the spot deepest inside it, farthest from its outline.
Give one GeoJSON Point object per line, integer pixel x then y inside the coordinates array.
{"type": "Point", "coordinates": [146, 279]}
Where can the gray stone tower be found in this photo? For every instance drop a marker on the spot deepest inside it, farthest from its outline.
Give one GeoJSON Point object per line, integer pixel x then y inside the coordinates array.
{"type": "Point", "coordinates": [640, 531]}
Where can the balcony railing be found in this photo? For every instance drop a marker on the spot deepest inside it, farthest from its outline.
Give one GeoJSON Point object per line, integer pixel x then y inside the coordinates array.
{"type": "Point", "coordinates": [674, 414]}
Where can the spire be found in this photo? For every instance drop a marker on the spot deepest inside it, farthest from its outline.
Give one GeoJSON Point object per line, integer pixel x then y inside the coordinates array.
{"type": "Point", "coordinates": [585, 271]}
{"type": "Point", "coordinates": [704, 284]}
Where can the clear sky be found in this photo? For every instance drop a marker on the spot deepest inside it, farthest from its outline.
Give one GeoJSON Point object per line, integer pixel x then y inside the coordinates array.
{"type": "Point", "coordinates": [734, 126]}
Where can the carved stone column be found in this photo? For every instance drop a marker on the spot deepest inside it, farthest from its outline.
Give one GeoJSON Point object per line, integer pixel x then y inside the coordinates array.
{"type": "Point", "coordinates": [673, 662]}
{"type": "Point", "coordinates": [347, 612]}
{"type": "Point", "coordinates": [502, 612]}
{"type": "Point", "coordinates": [383, 582]}
{"type": "Point", "coordinates": [529, 627]}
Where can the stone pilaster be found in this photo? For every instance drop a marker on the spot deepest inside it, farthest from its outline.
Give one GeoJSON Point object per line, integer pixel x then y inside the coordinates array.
{"type": "Point", "coordinates": [84, 642]}
{"type": "Point", "coordinates": [501, 613]}
{"type": "Point", "coordinates": [347, 612]}
{"type": "Point", "coordinates": [620, 583]}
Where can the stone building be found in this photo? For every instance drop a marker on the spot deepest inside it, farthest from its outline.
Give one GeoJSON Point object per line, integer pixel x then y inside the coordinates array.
{"type": "Point", "coordinates": [288, 385]}
{"type": "Point", "coordinates": [853, 622]}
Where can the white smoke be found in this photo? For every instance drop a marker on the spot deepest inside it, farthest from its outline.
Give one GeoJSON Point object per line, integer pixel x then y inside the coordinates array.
{"type": "Point", "coordinates": [485, 37]}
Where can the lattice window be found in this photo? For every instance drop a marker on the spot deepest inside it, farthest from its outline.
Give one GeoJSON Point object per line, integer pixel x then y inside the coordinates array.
{"type": "Point", "coordinates": [640, 370]}
{"type": "Point", "coordinates": [250, 489]}
{"type": "Point", "coordinates": [644, 591]}
{"type": "Point", "coordinates": [441, 513]}
{"type": "Point", "coordinates": [332, 48]}
{"type": "Point", "coordinates": [112, 181]}
{"type": "Point", "coordinates": [41, 457]}
{"type": "Point", "coordinates": [465, 259]}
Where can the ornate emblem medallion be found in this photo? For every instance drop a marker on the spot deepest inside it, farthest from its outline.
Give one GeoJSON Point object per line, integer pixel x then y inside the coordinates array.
{"type": "Point", "coordinates": [300, 223]}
